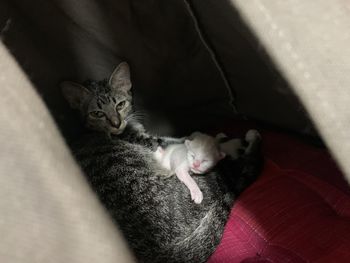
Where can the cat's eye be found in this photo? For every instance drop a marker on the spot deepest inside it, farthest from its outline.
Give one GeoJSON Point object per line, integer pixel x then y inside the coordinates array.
{"type": "Point", "coordinates": [121, 105]}
{"type": "Point", "coordinates": [97, 114]}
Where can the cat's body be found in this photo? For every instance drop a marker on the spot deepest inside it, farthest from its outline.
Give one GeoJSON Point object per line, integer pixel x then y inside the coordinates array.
{"type": "Point", "coordinates": [159, 221]}
{"type": "Point", "coordinates": [199, 155]}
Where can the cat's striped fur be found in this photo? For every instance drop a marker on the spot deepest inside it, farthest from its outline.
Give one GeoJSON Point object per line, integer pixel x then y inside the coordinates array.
{"type": "Point", "coordinates": [155, 212]}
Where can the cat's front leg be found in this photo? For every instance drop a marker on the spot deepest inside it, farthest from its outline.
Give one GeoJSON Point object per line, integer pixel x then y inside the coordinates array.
{"type": "Point", "coordinates": [185, 177]}
{"type": "Point", "coordinates": [166, 141]}
{"type": "Point", "coordinates": [137, 126]}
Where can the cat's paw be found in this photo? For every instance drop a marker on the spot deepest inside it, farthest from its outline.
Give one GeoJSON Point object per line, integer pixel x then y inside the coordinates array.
{"type": "Point", "coordinates": [197, 196]}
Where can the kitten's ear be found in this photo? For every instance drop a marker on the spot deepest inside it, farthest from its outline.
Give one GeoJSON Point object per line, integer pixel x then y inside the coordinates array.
{"type": "Point", "coordinates": [220, 136]}
{"type": "Point", "coordinates": [194, 134]}
{"type": "Point", "coordinates": [76, 94]}
{"type": "Point", "coordinates": [120, 78]}
{"type": "Point", "coordinates": [160, 150]}
{"type": "Point", "coordinates": [187, 143]}
{"type": "Point", "coordinates": [222, 155]}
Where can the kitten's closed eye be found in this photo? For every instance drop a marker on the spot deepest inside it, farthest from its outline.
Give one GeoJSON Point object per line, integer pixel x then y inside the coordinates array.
{"type": "Point", "coordinates": [121, 105]}
{"type": "Point", "coordinates": [97, 114]}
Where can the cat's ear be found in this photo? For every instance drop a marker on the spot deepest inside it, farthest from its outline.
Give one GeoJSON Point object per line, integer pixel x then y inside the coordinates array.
{"type": "Point", "coordinates": [220, 136]}
{"type": "Point", "coordinates": [120, 78]}
{"type": "Point", "coordinates": [76, 94]}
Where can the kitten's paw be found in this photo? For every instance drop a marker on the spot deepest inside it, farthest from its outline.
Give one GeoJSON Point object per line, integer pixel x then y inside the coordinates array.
{"type": "Point", "coordinates": [252, 135]}
{"type": "Point", "coordinates": [197, 196]}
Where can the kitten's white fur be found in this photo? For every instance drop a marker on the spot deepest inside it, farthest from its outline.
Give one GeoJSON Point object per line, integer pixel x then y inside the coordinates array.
{"type": "Point", "coordinates": [198, 154]}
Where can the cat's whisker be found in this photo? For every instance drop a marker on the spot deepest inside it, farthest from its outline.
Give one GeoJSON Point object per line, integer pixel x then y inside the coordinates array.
{"type": "Point", "coordinates": [137, 116]}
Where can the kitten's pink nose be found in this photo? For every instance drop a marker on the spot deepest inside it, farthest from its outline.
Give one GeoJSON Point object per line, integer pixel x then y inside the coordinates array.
{"type": "Point", "coordinates": [196, 164]}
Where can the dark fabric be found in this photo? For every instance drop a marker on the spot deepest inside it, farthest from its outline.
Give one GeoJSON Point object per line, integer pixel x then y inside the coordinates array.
{"type": "Point", "coordinates": [172, 73]}
{"type": "Point", "coordinates": [261, 92]}
{"type": "Point", "coordinates": [174, 77]}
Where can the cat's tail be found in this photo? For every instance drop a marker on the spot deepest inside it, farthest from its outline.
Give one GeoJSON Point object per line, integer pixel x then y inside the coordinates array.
{"type": "Point", "coordinates": [202, 242]}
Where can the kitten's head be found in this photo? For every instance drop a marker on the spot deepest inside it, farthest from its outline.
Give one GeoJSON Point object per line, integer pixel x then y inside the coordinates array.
{"type": "Point", "coordinates": [202, 153]}
{"type": "Point", "coordinates": [104, 105]}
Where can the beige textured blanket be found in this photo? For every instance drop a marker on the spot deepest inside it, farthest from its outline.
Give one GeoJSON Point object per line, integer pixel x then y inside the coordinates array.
{"type": "Point", "coordinates": [47, 211]}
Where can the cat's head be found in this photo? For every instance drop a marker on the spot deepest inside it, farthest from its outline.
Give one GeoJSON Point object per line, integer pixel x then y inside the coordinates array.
{"type": "Point", "coordinates": [203, 152]}
{"type": "Point", "coordinates": [104, 105]}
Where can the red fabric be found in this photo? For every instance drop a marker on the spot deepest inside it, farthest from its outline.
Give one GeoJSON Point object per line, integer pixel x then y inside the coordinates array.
{"type": "Point", "coordinates": [289, 152]}
{"type": "Point", "coordinates": [297, 211]}
{"type": "Point", "coordinates": [287, 216]}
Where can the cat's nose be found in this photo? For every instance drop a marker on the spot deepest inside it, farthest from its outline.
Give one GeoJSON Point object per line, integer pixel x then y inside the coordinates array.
{"type": "Point", "coordinates": [115, 122]}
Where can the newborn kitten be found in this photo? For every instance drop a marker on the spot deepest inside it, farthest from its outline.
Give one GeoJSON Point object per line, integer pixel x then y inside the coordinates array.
{"type": "Point", "coordinates": [236, 147]}
{"type": "Point", "coordinates": [199, 155]}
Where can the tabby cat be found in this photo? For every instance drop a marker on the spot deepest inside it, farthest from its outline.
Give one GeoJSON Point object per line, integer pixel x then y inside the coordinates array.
{"type": "Point", "coordinates": [154, 212]}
